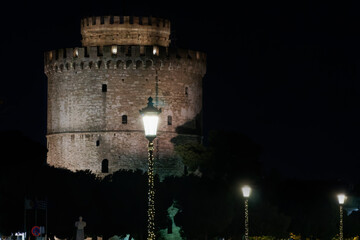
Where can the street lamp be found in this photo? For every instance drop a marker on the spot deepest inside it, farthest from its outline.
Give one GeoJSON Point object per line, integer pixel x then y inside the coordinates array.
{"type": "Point", "coordinates": [246, 190]}
{"type": "Point", "coordinates": [341, 198]}
{"type": "Point", "coordinates": [150, 116]}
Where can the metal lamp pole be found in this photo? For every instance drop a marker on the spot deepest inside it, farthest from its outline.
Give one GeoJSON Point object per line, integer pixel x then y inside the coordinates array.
{"type": "Point", "coordinates": [341, 198]}
{"type": "Point", "coordinates": [246, 193]}
{"type": "Point", "coordinates": [150, 120]}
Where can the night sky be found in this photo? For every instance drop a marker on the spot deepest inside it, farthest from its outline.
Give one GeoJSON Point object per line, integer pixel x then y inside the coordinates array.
{"type": "Point", "coordinates": [284, 73]}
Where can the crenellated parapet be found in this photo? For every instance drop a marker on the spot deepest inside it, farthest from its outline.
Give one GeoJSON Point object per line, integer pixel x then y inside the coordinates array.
{"type": "Point", "coordinates": [125, 30]}
{"type": "Point", "coordinates": [125, 57]}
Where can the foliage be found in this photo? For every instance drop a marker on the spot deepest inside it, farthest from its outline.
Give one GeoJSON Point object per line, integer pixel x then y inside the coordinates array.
{"type": "Point", "coordinates": [193, 155]}
{"type": "Point", "coordinates": [206, 206]}
{"type": "Point", "coordinates": [228, 155]}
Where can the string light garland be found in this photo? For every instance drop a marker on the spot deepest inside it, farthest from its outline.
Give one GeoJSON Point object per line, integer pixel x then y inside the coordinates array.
{"type": "Point", "coordinates": [246, 219]}
{"type": "Point", "coordinates": [341, 225]}
{"type": "Point", "coordinates": [246, 190]}
{"type": "Point", "coordinates": [151, 193]}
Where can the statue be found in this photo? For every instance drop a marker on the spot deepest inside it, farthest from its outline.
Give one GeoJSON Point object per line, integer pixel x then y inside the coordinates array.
{"type": "Point", "coordinates": [173, 231]}
{"type": "Point", "coordinates": [80, 229]}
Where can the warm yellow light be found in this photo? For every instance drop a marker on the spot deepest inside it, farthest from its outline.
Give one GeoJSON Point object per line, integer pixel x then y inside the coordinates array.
{"type": "Point", "coordinates": [150, 119]}
{"type": "Point", "coordinates": [341, 198]}
{"type": "Point", "coordinates": [76, 52]}
{"type": "Point", "coordinates": [114, 49]}
{"type": "Point", "coordinates": [155, 50]}
{"type": "Point", "coordinates": [246, 190]}
{"type": "Point", "coordinates": [150, 124]}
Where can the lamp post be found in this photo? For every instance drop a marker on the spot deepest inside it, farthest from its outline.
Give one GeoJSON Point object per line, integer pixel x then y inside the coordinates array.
{"type": "Point", "coordinates": [341, 198]}
{"type": "Point", "coordinates": [150, 116]}
{"type": "Point", "coordinates": [246, 190]}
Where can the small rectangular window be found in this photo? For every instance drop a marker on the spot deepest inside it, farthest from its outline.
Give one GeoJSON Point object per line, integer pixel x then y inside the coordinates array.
{"type": "Point", "coordinates": [124, 119]}
{"type": "Point", "coordinates": [169, 120]}
{"type": "Point", "coordinates": [114, 49]}
{"type": "Point", "coordinates": [76, 52]}
{"type": "Point", "coordinates": [156, 50]}
{"type": "Point", "coordinates": [142, 50]}
{"type": "Point", "coordinates": [105, 166]}
{"type": "Point", "coordinates": [97, 143]}
{"type": "Point", "coordinates": [104, 88]}
{"type": "Point", "coordinates": [128, 51]}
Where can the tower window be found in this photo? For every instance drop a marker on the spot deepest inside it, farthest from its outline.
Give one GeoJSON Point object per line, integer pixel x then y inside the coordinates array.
{"type": "Point", "coordinates": [142, 50]}
{"type": "Point", "coordinates": [169, 120]}
{"type": "Point", "coordinates": [124, 119]}
{"type": "Point", "coordinates": [76, 52]}
{"type": "Point", "coordinates": [186, 91]}
{"type": "Point", "coordinates": [104, 88]}
{"type": "Point", "coordinates": [114, 49]}
{"type": "Point", "coordinates": [156, 50]}
{"type": "Point", "coordinates": [105, 166]}
{"type": "Point", "coordinates": [98, 143]}
{"type": "Point", "coordinates": [128, 51]}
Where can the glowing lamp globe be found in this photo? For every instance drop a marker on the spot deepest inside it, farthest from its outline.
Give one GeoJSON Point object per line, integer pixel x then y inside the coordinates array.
{"type": "Point", "coordinates": [246, 190]}
{"type": "Point", "coordinates": [150, 117]}
{"type": "Point", "coordinates": [341, 198]}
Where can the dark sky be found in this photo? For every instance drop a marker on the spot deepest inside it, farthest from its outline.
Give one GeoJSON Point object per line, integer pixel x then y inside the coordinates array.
{"type": "Point", "coordinates": [285, 73]}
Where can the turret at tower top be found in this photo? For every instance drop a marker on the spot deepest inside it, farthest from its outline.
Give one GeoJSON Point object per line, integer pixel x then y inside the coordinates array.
{"type": "Point", "coordinates": [125, 30]}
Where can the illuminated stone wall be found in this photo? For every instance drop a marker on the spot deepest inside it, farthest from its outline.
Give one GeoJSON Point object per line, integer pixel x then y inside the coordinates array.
{"type": "Point", "coordinates": [90, 89]}
{"type": "Point", "coordinates": [125, 30]}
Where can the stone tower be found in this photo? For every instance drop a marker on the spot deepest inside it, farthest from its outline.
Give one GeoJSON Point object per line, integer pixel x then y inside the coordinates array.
{"type": "Point", "coordinates": [95, 93]}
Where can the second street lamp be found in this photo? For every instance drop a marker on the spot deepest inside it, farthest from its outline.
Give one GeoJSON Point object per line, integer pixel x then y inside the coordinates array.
{"type": "Point", "coordinates": [150, 117]}
{"type": "Point", "coordinates": [246, 190]}
{"type": "Point", "coordinates": [341, 198]}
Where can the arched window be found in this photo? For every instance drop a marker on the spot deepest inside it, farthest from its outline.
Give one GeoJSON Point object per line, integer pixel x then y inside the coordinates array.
{"type": "Point", "coordinates": [169, 120]}
{"type": "Point", "coordinates": [128, 63]}
{"type": "Point", "coordinates": [98, 143]}
{"type": "Point", "coordinates": [186, 91]}
{"type": "Point", "coordinates": [124, 119]}
{"type": "Point", "coordinates": [139, 64]}
{"type": "Point", "coordinates": [105, 166]}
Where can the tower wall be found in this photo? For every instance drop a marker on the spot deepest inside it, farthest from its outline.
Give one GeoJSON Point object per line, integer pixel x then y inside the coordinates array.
{"type": "Point", "coordinates": [125, 30]}
{"type": "Point", "coordinates": [91, 89]}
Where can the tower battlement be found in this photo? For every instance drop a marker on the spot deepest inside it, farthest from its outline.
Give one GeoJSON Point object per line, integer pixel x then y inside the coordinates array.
{"type": "Point", "coordinates": [125, 57]}
{"type": "Point", "coordinates": [125, 30]}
